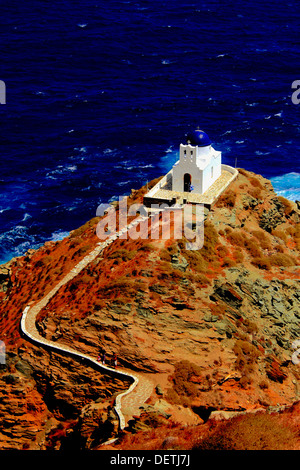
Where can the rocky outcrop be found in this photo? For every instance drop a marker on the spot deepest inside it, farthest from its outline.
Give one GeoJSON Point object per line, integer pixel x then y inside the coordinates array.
{"type": "Point", "coordinates": [273, 305]}
{"type": "Point", "coordinates": [214, 328]}
{"type": "Point", "coordinates": [5, 278]}
{"type": "Point", "coordinates": [97, 424]}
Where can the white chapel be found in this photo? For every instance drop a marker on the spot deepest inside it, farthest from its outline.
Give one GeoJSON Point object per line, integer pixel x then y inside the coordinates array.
{"type": "Point", "coordinates": [198, 177]}
{"type": "Point", "coordinates": [199, 164]}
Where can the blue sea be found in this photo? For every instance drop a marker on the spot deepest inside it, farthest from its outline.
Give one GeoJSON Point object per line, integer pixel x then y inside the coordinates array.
{"type": "Point", "coordinates": [99, 96]}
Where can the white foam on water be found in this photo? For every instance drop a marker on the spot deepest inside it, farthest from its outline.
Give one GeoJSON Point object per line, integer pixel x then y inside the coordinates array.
{"type": "Point", "coordinates": [287, 185]}
{"type": "Point", "coordinates": [59, 235]}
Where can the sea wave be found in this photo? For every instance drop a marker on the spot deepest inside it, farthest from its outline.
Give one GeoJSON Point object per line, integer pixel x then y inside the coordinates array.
{"type": "Point", "coordinates": [5, 209]}
{"type": "Point", "coordinates": [287, 185]}
{"type": "Point", "coordinates": [124, 183]}
{"type": "Point", "coordinates": [60, 170]}
{"type": "Point", "coordinates": [26, 217]}
{"type": "Point", "coordinates": [59, 235]}
{"type": "Point", "coordinates": [101, 124]}
{"type": "Point", "coordinates": [15, 242]}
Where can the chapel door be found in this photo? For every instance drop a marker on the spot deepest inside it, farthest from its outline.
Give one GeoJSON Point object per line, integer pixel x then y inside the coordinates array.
{"type": "Point", "coordinates": [187, 179]}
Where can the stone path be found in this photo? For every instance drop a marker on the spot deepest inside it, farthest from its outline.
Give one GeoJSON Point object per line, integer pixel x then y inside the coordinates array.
{"type": "Point", "coordinates": [141, 388]}
{"type": "Point", "coordinates": [132, 402]}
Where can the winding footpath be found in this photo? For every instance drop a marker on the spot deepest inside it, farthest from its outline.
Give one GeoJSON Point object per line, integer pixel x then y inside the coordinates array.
{"type": "Point", "coordinates": [28, 327]}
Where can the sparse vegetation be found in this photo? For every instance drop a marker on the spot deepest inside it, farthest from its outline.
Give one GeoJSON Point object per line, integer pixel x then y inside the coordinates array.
{"type": "Point", "coordinates": [286, 204]}
{"type": "Point", "coordinates": [82, 251]}
{"type": "Point", "coordinates": [264, 384]}
{"type": "Point", "coordinates": [259, 431]}
{"type": "Point", "coordinates": [261, 262]}
{"type": "Point", "coordinates": [282, 259]}
{"type": "Point", "coordinates": [280, 234]}
{"type": "Point", "coordinates": [246, 355]}
{"type": "Point", "coordinates": [252, 248]}
{"type": "Point", "coordinates": [235, 237]}
{"type": "Point", "coordinates": [255, 182]}
{"type": "Point", "coordinates": [84, 228]}
{"type": "Point", "coordinates": [147, 247]}
{"type": "Point", "coordinates": [133, 299]}
{"type": "Point", "coordinates": [196, 260]}
{"type": "Point", "coordinates": [187, 380]}
{"type": "Point", "coordinates": [252, 431]}
{"type": "Point", "coordinates": [227, 199]}
{"type": "Point", "coordinates": [255, 193]}
{"type": "Point", "coordinates": [228, 262]}
{"type": "Point", "coordinates": [121, 287]}
{"type": "Point", "coordinates": [222, 251]}
{"type": "Point", "coordinates": [238, 256]}
{"type": "Point", "coordinates": [165, 255]}
{"type": "Point", "coordinates": [263, 239]}
{"type": "Point", "coordinates": [44, 262]}
{"type": "Point", "coordinates": [211, 240]}
{"type": "Point", "coordinates": [122, 255]}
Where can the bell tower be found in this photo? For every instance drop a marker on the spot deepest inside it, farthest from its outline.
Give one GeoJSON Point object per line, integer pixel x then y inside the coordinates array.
{"type": "Point", "coordinates": [199, 164]}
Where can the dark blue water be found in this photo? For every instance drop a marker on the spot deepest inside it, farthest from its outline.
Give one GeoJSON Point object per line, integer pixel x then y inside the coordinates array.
{"type": "Point", "coordinates": [100, 94]}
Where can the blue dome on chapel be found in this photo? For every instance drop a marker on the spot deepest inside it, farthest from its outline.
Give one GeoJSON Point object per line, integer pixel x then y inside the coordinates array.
{"type": "Point", "coordinates": [198, 137]}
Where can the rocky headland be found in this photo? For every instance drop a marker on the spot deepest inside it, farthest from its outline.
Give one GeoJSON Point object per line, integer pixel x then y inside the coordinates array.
{"type": "Point", "coordinates": [210, 332]}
